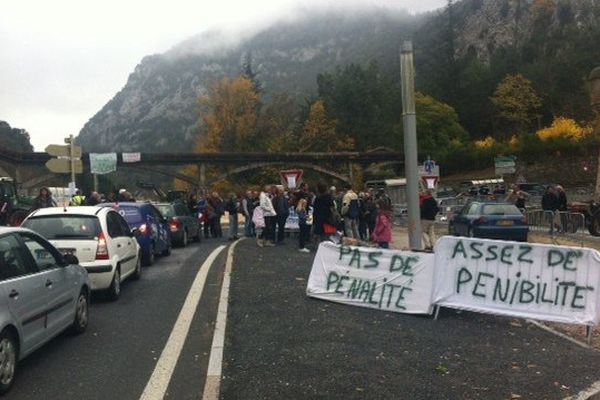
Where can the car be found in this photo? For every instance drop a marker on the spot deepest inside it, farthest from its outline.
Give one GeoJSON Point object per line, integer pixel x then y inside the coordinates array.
{"type": "Point", "coordinates": [489, 220]}
{"type": "Point", "coordinates": [154, 233]}
{"type": "Point", "coordinates": [183, 224]}
{"type": "Point", "coordinates": [42, 293]}
{"type": "Point", "coordinates": [99, 237]}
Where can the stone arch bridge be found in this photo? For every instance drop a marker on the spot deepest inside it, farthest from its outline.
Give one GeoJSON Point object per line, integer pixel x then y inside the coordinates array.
{"type": "Point", "coordinates": [25, 167]}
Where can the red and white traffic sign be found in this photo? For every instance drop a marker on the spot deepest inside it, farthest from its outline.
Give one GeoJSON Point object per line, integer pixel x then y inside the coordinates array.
{"type": "Point", "coordinates": [291, 177]}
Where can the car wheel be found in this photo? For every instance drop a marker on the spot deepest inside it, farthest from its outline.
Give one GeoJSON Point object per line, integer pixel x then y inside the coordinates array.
{"type": "Point", "coordinates": [137, 274]}
{"type": "Point", "coordinates": [81, 313]}
{"type": "Point", "coordinates": [8, 360]}
{"type": "Point", "coordinates": [184, 240]}
{"type": "Point", "coordinates": [167, 251]}
{"type": "Point", "coordinates": [115, 286]}
{"type": "Point", "coordinates": [151, 257]}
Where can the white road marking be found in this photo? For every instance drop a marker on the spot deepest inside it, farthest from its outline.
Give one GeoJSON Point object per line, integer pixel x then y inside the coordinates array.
{"type": "Point", "coordinates": [559, 334]}
{"type": "Point", "coordinates": [212, 386]}
{"type": "Point", "coordinates": [590, 393]}
{"type": "Point", "coordinates": [159, 381]}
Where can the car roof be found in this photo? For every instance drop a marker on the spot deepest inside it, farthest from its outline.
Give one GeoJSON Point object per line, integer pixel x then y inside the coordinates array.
{"type": "Point", "coordinates": [76, 210]}
{"type": "Point", "coordinates": [11, 229]}
{"type": "Point", "coordinates": [126, 204]}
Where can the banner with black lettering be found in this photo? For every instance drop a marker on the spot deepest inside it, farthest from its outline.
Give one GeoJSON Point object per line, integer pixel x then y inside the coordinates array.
{"type": "Point", "coordinates": [545, 282]}
{"type": "Point", "coordinates": [387, 280]}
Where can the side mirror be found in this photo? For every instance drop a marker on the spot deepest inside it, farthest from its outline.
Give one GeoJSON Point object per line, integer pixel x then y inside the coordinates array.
{"type": "Point", "coordinates": [70, 259]}
{"type": "Point", "coordinates": [135, 232]}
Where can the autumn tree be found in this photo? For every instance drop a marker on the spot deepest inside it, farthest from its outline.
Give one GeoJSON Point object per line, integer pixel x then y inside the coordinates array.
{"type": "Point", "coordinates": [320, 132]}
{"type": "Point", "coordinates": [516, 105]}
{"type": "Point", "coordinates": [231, 116]}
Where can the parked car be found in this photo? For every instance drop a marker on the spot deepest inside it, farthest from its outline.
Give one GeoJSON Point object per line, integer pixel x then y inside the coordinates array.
{"type": "Point", "coordinates": [99, 237]}
{"type": "Point", "coordinates": [183, 224]}
{"type": "Point", "coordinates": [42, 293]}
{"type": "Point", "coordinates": [491, 221]}
{"type": "Point", "coordinates": [154, 233]}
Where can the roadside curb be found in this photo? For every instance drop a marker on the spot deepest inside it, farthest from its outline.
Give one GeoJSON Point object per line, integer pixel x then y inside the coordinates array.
{"type": "Point", "coordinates": [212, 386]}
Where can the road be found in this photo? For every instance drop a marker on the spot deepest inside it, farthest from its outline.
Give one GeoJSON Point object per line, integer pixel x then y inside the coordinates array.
{"type": "Point", "coordinates": [116, 356]}
{"type": "Point", "coordinates": [281, 344]}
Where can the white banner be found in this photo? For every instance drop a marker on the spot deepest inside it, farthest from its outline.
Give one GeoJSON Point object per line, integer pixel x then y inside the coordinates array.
{"type": "Point", "coordinates": [552, 283]}
{"type": "Point", "coordinates": [103, 163]}
{"type": "Point", "coordinates": [131, 157]}
{"type": "Point", "coordinates": [368, 277]}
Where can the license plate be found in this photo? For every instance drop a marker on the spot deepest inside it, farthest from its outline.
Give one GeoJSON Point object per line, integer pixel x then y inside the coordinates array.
{"type": "Point", "coordinates": [505, 223]}
{"type": "Point", "coordinates": [65, 252]}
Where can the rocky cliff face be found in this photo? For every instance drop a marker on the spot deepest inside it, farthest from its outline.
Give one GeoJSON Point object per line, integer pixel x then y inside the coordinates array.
{"type": "Point", "coordinates": [157, 110]}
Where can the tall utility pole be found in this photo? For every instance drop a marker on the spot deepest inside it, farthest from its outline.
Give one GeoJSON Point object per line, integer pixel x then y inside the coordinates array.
{"type": "Point", "coordinates": [72, 154]}
{"type": "Point", "coordinates": [409, 119]}
{"type": "Point", "coordinates": [595, 103]}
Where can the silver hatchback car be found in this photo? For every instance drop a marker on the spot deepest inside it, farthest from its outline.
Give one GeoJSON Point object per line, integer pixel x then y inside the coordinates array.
{"type": "Point", "coordinates": [42, 293]}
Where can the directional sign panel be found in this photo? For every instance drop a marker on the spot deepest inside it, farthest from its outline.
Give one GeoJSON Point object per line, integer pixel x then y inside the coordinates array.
{"type": "Point", "coordinates": [63, 165]}
{"type": "Point", "coordinates": [63, 151]}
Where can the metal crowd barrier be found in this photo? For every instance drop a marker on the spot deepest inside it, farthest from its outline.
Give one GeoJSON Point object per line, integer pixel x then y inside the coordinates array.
{"type": "Point", "coordinates": [557, 223]}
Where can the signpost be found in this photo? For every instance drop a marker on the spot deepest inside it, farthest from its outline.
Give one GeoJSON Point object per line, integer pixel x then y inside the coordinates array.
{"type": "Point", "coordinates": [429, 173]}
{"type": "Point", "coordinates": [68, 159]}
{"type": "Point", "coordinates": [505, 165]}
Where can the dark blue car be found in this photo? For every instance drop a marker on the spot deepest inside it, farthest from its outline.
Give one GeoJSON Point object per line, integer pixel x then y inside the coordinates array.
{"type": "Point", "coordinates": [155, 236]}
{"type": "Point", "coordinates": [488, 220]}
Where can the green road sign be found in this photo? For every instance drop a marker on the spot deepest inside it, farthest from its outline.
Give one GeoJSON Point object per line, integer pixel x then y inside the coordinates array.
{"type": "Point", "coordinates": [63, 165]}
{"type": "Point", "coordinates": [63, 151]}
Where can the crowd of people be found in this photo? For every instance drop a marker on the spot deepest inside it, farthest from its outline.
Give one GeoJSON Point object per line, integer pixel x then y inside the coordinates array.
{"type": "Point", "coordinates": [321, 213]}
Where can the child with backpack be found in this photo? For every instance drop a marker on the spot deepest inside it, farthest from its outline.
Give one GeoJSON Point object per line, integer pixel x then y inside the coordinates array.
{"type": "Point", "coordinates": [382, 235]}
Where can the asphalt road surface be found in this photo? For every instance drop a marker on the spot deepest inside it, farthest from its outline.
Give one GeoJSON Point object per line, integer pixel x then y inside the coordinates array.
{"type": "Point", "coordinates": [116, 356]}
{"type": "Point", "coordinates": [282, 345]}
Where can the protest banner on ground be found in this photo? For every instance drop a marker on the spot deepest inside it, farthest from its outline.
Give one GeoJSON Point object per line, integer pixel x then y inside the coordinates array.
{"type": "Point", "coordinates": [545, 282]}
{"type": "Point", "coordinates": [388, 280]}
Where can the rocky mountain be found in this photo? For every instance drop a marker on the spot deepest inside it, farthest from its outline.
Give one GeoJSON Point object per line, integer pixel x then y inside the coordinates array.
{"type": "Point", "coordinates": [462, 52]}
{"type": "Point", "coordinates": [158, 107]}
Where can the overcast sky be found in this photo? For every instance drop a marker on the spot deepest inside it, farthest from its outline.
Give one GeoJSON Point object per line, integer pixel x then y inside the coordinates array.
{"type": "Point", "coordinates": [62, 60]}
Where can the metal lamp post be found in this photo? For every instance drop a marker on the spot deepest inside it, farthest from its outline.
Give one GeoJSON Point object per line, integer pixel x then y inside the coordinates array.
{"type": "Point", "coordinates": [409, 119]}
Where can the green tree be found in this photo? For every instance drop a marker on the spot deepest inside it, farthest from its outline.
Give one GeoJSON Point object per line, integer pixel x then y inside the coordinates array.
{"type": "Point", "coordinates": [516, 105]}
{"type": "Point", "coordinates": [320, 133]}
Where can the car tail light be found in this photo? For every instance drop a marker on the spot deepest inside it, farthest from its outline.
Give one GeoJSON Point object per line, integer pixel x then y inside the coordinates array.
{"type": "Point", "coordinates": [481, 221]}
{"type": "Point", "coordinates": [102, 249]}
{"type": "Point", "coordinates": [175, 225]}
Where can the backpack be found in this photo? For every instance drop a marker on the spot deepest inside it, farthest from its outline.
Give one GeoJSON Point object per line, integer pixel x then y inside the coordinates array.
{"type": "Point", "coordinates": [353, 210]}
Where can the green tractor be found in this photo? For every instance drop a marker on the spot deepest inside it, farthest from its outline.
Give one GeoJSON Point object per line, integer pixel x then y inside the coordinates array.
{"type": "Point", "coordinates": [13, 208]}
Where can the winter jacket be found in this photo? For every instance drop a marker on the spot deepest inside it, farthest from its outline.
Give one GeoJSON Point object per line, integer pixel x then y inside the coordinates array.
{"type": "Point", "coordinates": [429, 208]}
{"type": "Point", "coordinates": [383, 228]}
{"type": "Point", "coordinates": [267, 205]}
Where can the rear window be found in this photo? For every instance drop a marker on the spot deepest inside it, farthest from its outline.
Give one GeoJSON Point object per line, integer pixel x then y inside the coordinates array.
{"type": "Point", "coordinates": [500, 209]}
{"type": "Point", "coordinates": [132, 215]}
{"type": "Point", "coordinates": [166, 210]}
{"type": "Point", "coordinates": [57, 227]}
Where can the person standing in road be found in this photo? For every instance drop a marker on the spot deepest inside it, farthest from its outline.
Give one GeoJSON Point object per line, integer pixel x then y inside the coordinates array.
{"type": "Point", "coordinates": [382, 235]}
{"type": "Point", "coordinates": [43, 200]}
{"type": "Point", "coordinates": [550, 205]}
{"type": "Point", "coordinates": [282, 209]}
{"type": "Point", "coordinates": [323, 208]}
{"type": "Point", "coordinates": [218, 210]}
{"type": "Point", "coordinates": [247, 210]}
{"type": "Point", "coordinates": [429, 210]}
{"type": "Point", "coordinates": [561, 196]}
{"type": "Point", "coordinates": [232, 207]}
{"type": "Point", "coordinates": [350, 213]}
{"type": "Point", "coordinates": [267, 238]}
{"type": "Point", "coordinates": [93, 200]}
{"type": "Point", "coordinates": [78, 199]}
{"type": "Point", "coordinates": [303, 235]}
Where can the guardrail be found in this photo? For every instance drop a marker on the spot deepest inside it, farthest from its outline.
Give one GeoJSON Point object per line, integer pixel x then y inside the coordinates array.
{"type": "Point", "coordinates": [557, 223]}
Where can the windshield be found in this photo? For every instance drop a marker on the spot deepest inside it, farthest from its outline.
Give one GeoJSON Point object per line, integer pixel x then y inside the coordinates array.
{"type": "Point", "coordinates": [132, 215]}
{"type": "Point", "coordinates": [58, 227]}
{"type": "Point", "coordinates": [500, 209]}
{"type": "Point", "coordinates": [166, 210]}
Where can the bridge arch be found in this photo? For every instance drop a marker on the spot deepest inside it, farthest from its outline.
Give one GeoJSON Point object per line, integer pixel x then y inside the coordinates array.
{"type": "Point", "coordinates": [253, 166]}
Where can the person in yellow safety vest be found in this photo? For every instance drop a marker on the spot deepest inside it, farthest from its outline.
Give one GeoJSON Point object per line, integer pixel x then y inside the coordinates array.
{"type": "Point", "coordinates": [78, 199]}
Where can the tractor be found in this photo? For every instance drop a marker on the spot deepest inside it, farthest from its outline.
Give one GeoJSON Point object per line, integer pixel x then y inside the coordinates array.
{"type": "Point", "coordinates": [14, 208]}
